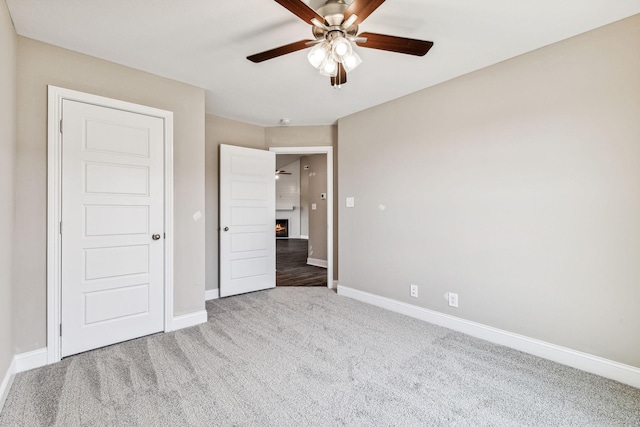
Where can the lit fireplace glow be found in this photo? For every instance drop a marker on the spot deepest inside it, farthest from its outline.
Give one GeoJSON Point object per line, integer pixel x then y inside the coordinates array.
{"type": "Point", "coordinates": [282, 228]}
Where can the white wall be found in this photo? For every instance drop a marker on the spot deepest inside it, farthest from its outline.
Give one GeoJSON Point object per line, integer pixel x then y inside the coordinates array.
{"type": "Point", "coordinates": [8, 53]}
{"type": "Point", "coordinates": [516, 186]}
{"type": "Point", "coordinates": [288, 196]}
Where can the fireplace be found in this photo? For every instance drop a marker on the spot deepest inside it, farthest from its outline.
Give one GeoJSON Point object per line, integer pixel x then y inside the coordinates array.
{"type": "Point", "coordinates": [282, 228]}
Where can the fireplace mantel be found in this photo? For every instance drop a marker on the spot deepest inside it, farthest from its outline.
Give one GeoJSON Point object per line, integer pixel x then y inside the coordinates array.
{"type": "Point", "coordinates": [285, 207]}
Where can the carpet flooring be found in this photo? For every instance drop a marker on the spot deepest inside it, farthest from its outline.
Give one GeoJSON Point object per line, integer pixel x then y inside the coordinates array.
{"type": "Point", "coordinates": [308, 357]}
{"type": "Point", "coordinates": [291, 265]}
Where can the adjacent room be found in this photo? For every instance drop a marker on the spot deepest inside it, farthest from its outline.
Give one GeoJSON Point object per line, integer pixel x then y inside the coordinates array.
{"type": "Point", "coordinates": [320, 212]}
{"type": "Point", "coordinates": [301, 218]}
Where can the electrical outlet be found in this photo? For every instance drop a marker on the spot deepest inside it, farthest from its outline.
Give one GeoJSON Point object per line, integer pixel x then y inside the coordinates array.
{"type": "Point", "coordinates": [414, 291]}
{"type": "Point", "coordinates": [453, 300]}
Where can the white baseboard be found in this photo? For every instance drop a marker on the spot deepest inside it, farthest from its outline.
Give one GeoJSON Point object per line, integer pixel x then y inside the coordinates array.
{"type": "Point", "coordinates": [317, 262]}
{"type": "Point", "coordinates": [20, 363]}
{"type": "Point", "coordinates": [304, 236]}
{"type": "Point", "coordinates": [31, 360]}
{"type": "Point", "coordinates": [210, 294]}
{"type": "Point", "coordinates": [188, 320]}
{"type": "Point", "coordinates": [576, 359]}
{"type": "Point", "coordinates": [7, 380]}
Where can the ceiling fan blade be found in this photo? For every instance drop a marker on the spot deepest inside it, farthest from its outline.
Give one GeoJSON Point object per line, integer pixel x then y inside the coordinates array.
{"type": "Point", "coordinates": [279, 51]}
{"type": "Point", "coordinates": [362, 9]}
{"type": "Point", "coordinates": [301, 10]}
{"type": "Point", "coordinates": [340, 78]}
{"type": "Point", "coordinates": [395, 44]}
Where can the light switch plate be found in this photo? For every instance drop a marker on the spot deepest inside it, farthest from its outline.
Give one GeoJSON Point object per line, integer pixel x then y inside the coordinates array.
{"type": "Point", "coordinates": [313, 206]}
{"type": "Point", "coordinates": [350, 202]}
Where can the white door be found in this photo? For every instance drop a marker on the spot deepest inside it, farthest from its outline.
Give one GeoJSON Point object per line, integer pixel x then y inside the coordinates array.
{"type": "Point", "coordinates": [112, 226]}
{"type": "Point", "coordinates": [247, 220]}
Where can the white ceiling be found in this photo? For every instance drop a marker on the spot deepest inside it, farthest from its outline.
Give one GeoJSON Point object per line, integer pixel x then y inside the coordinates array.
{"type": "Point", "coordinates": [205, 43]}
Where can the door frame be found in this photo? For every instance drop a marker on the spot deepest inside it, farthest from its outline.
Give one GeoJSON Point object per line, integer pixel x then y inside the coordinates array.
{"type": "Point", "coordinates": [329, 152]}
{"type": "Point", "coordinates": [56, 95]}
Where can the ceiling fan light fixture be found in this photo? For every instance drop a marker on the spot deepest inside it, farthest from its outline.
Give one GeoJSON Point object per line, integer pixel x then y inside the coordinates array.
{"type": "Point", "coordinates": [318, 54]}
{"type": "Point", "coordinates": [329, 68]}
{"type": "Point", "coordinates": [351, 62]}
{"type": "Point", "coordinates": [340, 47]}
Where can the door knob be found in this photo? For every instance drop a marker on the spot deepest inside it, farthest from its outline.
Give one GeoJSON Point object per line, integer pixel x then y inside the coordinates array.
{"type": "Point", "coordinates": [156, 236]}
{"type": "Point", "coordinates": [226, 229]}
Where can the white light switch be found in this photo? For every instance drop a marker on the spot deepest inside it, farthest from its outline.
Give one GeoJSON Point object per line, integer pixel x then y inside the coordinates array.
{"type": "Point", "coordinates": [313, 206]}
{"type": "Point", "coordinates": [350, 202]}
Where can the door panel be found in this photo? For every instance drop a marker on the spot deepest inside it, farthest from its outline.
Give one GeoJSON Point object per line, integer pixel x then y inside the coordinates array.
{"type": "Point", "coordinates": [117, 138]}
{"type": "Point", "coordinates": [116, 303]}
{"type": "Point", "coordinates": [102, 178]}
{"type": "Point", "coordinates": [109, 220]}
{"type": "Point", "coordinates": [247, 220]}
{"type": "Point", "coordinates": [112, 204]}
{"type": "Point", "coordinates": [116, 261]}
{"type": "Point", "coordinates": [249, 216]}
{"type": "Point", "coordinates": [243, 190]}
{"type": "Point", "coordinates": [244, 242]}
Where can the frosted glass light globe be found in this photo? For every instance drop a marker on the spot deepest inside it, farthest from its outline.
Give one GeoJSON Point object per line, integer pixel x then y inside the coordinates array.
{"type": "Point", "coordinates": [350, 62]}
{"type": "Point", "coordinates": [340, 48]}
{"type": "Point", "coordinates": [329, 68]}
{"type": "Point", "coordinates": [318, 54]}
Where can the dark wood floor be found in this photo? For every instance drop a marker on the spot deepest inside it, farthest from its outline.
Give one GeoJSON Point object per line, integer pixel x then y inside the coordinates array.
{"type": "Point", "coordinates": [291, 265]}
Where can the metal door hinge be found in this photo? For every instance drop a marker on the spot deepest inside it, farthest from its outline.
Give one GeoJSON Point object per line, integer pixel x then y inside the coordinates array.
{"type": "Point", "coordinates": [60, 329]}
{"type": "Point", "coordinates": [60, 125]}
{"type": "Point", "coordinates": [60, 227]}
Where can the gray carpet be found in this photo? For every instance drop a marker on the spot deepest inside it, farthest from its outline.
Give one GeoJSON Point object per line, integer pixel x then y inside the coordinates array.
{"type": "Point", "coordinates": [307, 357]}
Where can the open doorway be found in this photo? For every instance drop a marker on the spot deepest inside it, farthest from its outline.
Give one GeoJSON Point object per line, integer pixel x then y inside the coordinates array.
{"type": "Point", "coordinates": [304, 216]}
{"type": "Point", "coordinates": [301, 211]}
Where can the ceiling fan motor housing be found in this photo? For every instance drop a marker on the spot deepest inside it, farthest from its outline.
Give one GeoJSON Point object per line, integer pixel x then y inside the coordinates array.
{"type": "Point", "coordinates": [333, 12]}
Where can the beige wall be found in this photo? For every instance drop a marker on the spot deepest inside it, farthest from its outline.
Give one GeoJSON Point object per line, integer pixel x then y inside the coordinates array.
{"type": "Point", "coordinates": [517, 187]}
{"type": "Point", "coordinates": [8, 53]}
{"type": "Point", "coordinates": [317, 175]}
{"type": "Point", "coordinates": [222, 131]}
{"type": "Point", "coordinates": [39, 65]}
{"type": "Point", "coordinates": [301, 136]}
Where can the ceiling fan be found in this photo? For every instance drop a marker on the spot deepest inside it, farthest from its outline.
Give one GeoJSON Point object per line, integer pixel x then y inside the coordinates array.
{"type": "Point", "coordinates": [335, 27]}
{"type": "Point", "coordinates": [281, 172]}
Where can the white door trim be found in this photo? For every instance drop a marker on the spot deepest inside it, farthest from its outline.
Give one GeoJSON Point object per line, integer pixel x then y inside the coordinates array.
{"type": "Point", "coordinates": [329, 152]}
{"type": "Point", "coordinates": [54, 194]}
